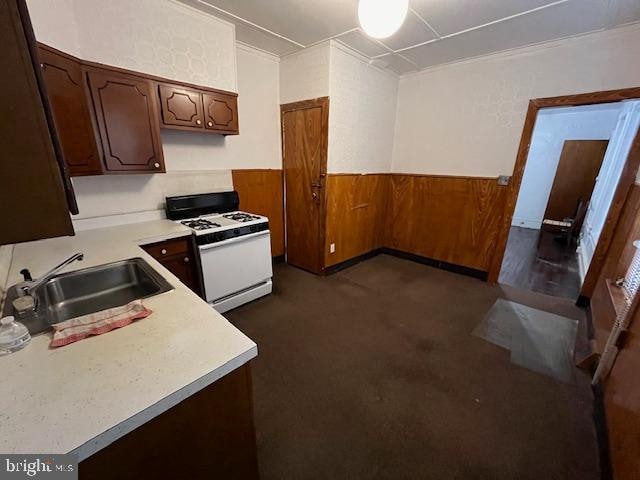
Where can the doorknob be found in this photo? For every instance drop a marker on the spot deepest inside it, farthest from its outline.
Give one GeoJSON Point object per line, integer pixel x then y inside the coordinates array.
{"type": "Point", "coordinates": [314, 195]}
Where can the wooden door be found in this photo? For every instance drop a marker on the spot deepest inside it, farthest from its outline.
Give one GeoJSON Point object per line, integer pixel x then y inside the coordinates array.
{"type": "Point", "coordinates": [220, 112]}
{"type": "Point", "coordinates": [126, 113]}
{"type": "Point", "coordinates": [575, 178]}
{"type": "Point", "coordinates": [304, 151]}
{"type": "Point", "coordinates": [67, 95]}
{"type": "Point", "coordinates": [180, 106]}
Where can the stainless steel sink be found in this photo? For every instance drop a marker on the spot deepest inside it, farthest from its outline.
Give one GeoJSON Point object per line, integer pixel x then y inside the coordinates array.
{"type": "Point", "coordinates": [93, 289]}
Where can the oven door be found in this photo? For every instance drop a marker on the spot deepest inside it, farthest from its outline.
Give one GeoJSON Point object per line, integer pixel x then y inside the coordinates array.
{"type": "Point", "coordinates": [236, 264]}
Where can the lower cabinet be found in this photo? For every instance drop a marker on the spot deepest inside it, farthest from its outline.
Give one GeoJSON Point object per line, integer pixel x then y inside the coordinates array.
{"type": "Point", "coordinates": [209, 435]}
{"type": "Point", "coordinates": [178, 256]}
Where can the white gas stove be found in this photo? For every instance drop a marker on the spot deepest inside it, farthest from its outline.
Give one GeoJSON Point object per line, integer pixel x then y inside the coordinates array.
{"type": "Point", "coordinates": [234, 247]}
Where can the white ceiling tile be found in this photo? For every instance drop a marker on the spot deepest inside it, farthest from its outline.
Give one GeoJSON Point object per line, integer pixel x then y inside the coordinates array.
{"type": "Point", "coordinates": [412, 32]}
{"type": "Point", "coordinates": [623, 11]}
{"type": "Point", "coordinates": [264, 41]}
{"type": "Point", "coordinates": [397, 63]}
{"type": "Point", "coordinates": [250, 35]}
{"type": "Point", "coordinates": [563, 20]}
{"type": "Point", "coordinates": [452, 16]}
{"type": "Point", "coordinates": [304, 21]}
{"type": "Point", "coordinates": [363, 44]}
{"type": "Point", "coordinates": [309, 21]}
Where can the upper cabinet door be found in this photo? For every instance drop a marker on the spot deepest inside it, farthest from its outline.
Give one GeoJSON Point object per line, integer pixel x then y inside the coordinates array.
{"type": "Point", "coordinates": [221, 112]}
{"type": "Point", "coordinates": [126, 113]}
{"type": "Point", "coordinates": [63, 77]}
{"type": "Point", "coordinates": [180, 106]}
{"type": "Point", "coordinates": [32, 184]}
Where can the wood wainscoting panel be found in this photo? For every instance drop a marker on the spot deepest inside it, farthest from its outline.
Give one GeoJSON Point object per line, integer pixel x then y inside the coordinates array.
{"type": "Point", "coordinates": [356, 214]}
{"type": "Point", "coordinates": [451, 219]}
{"type": "Point", "coordinates": [621, 389]}
{"type": "Point", "coordinates": [261, 192]}
{"type": "Point", "coordinates": [618, 259]}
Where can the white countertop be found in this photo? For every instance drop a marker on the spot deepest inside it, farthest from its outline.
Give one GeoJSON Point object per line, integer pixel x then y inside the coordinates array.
{"type": "Point", "coordinates": [81, 397]}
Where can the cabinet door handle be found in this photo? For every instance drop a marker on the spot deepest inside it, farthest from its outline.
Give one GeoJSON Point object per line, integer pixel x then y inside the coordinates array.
{"type": "Point", "coordinates": [198, 121]}
{"type": "Point", "coordinates": [186, 259]}
{"type": "Point", "coordinates": [157, 165]}
{"type": "Point", "coordinates": [210, 124]}
{"type": "Point", "coordinates": [163, 251]}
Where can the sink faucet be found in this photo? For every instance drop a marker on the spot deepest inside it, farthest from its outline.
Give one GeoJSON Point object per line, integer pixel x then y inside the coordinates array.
{"type": "Point", "coordinates": [29, 285]}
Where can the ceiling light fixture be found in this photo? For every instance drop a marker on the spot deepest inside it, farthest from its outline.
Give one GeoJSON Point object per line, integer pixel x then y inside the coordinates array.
{"type": "Point", "coordinates": [382, 18]}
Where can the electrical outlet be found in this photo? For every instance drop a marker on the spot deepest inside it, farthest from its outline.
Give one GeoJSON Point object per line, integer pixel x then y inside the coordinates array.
{"type": "Point", "coordinates": [504, 180]}
{"type": "Point", "coordinates": [332, 248]}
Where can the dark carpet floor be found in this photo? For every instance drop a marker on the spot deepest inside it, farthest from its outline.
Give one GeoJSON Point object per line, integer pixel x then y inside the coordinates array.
{"type": "Point", "coordinates": [372, 373]}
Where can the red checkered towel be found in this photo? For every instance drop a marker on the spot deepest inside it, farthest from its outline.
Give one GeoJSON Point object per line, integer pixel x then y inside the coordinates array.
{"type": "Point", "coordinates": [97, 323]}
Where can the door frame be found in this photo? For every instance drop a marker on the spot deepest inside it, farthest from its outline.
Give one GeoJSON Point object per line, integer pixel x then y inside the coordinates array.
{"type": "Point", "coordinates": [627, 179]}
{"type": "Point", "coordinates": [323, 103]}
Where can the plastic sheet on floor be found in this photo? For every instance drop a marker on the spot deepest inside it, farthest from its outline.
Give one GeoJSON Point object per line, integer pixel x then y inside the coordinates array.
{"type": "Point", "coordinates": [540, 341]}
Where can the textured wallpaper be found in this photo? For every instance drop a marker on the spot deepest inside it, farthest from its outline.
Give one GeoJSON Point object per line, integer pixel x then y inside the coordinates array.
{"type": "Point", "coordinates": [361, 115]}
{"type": "Point", "coordinates": [162, 38]}
{"type": "Point", "coordinates": [305, 74]}
{"type": "Point", "coordinates": [467, 118]}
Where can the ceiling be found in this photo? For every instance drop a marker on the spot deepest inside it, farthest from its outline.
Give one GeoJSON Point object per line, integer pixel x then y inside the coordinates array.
{"type": "Point", "coordinates": [435, 32]}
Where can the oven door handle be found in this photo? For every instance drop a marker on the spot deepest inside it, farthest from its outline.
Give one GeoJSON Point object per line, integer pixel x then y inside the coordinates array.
{"type": "Point", "coordinates": [241, 238]}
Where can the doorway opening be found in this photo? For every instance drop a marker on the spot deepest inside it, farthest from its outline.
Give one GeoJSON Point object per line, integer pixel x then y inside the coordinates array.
{"type": "Point", "coordinates": [575, 166]}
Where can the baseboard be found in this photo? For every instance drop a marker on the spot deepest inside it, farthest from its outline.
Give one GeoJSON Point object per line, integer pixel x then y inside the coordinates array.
{"type": "Point", "coordinates": [583, 301]}
{"type": "Point", "coordinates": [351, 262]}
{"type": "Point", "coordinates": [526, 223]}
{"type": "Point", "coordinates": [602, 433]}
{"type": "Point", "coordinates": [450, 267]}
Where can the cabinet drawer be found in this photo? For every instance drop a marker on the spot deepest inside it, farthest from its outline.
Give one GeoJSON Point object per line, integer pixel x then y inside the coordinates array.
{"type": "Point", "coordinates": [167, 248]}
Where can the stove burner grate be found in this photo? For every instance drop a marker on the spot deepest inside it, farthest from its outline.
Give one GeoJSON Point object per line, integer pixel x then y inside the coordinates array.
{"type": "Point", "coordinates": [200, 224]}
{"type": "Point", "coordinates": [241, 217]}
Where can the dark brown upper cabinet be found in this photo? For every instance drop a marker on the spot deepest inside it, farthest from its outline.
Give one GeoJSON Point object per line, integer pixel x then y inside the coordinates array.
{"type": "Point", "coordinates": [198, 110]}
{"type": "Point", "coordinates": [127, 118]}
{"type": "Point", "coordinates": [64, 78]}
{"type": "Point", "coordinates": [180, 106]}
{"type": "Point", "coordinates": [34, 191]}
{"type": "Point", "coordinates": [108, 119]}
{"type": "Point", "coordinates": [220, 112]}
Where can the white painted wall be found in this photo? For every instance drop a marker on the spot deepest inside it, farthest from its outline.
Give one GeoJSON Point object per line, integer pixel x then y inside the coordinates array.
{"type": "Point", "coordinates": [553, 127]}
{"type": "Point", "coordinates": [467, 118]}
{"type": "Point", "coordinates": [607, 182]}
{"type": "Point", "coordinates": [362, 114]}
{"type": "Point", "coordinates": [305, 74]}
{"type": "Point", "coordinates": [159, 37]}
